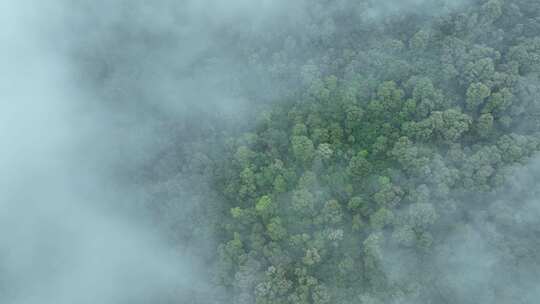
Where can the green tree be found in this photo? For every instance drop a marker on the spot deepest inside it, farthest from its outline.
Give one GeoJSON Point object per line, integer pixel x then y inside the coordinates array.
{"type": "Point", "coordinates": [275, 229]}
{"type": "Point", "coordinates": [265, 206]}
{"type": "Point", "coordinates": [303, 202]}
{"type": "Point", "coordinates": [359, 167]}
{"type": "Point", "coordinates": [476, 94]}
{"type": "Point", "coordinates": [303, 149]}
{"type": "Point", "coordinates": [484, 125]}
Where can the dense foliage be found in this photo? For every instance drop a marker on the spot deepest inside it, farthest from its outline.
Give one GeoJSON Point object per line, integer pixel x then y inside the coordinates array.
{"type": "Point", "coordinates": [348, 188]}
{"type": "Point", "coordinates": [373, 162]}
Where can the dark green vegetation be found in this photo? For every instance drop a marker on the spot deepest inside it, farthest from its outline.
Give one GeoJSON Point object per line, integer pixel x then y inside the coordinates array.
{"type": "Point", "coordinates": [391, 138]}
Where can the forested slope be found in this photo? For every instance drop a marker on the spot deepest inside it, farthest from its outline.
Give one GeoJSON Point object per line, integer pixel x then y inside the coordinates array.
{"type": "Point", "coordinates": [377, 157]}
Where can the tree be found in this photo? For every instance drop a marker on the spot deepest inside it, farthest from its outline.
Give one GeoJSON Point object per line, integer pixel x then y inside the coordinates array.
{"type": "Point", "coordinates": [303, 149]}
{"type": "Point", "coordinates": [484, 125]}
{"type": "Point", "coordinates": [299, 129]}
{"type": "Point", "coordinates": [274, 287]}
{"type": "Point", "coordinates": [275, 229]}
{"type": "Point", "coordinates": [389, 99]}
{"type": "Point", "coordinates": [408, 155]}
{"type": "Point", "coordinates": [498, 102]}
{"type": "Point", "coordinates": [265, 206]}
{"type": "Point", "coordinates": [331, 212]}
{"type": "Point", "coordinates": [420, 40]}
{"type": "Point", "coordinates": [482, 70]}
{"type": "Point", "coordinates": [324, 151]}
{"type": "Point", "coordinates": [231, 254]}
{"type": "Point", "coordinates": [280, 185]}
{"type": "Point", "coordinates": [359, 204]}
{"type": "Point", "coordinates": [247, 183]}
{"type": "Point", "coordinates": [359, 167]}
{"type": "Point", "coordinates": [526, 55]}
{"type": "Point", "coordinates": [426, 96]}
{"type": "Point", "coordinates": [492, 10]}
{"type": "Point", "coordinates": [321, 295]}
{"type": "Point", "coordinates": [311, 257]}
{"type": "Point", "coordinates": [303, 202]}
{"type": "Point", "coordinates": [354, 115]}
{"type": "Point", "coordinates": [244, 155]}
{"type": "Point", "coordinates": [381, 218]}
{"type": "Point", "coordinates": [476, 94]}
{"type": "Point", "coordinates": [387, 195]}
{"type": "Point", "coordinates": [421, 215]}
{"type": "Point", "coordinates": [450, 125]}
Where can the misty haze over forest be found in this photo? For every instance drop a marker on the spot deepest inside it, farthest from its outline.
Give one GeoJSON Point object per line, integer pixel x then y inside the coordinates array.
{"type": "Point", "coordinates": [270, 152]}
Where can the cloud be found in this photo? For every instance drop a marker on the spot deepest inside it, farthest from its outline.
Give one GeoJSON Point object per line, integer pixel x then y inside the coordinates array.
{"type": "Point", "coordinates": [67, 230]}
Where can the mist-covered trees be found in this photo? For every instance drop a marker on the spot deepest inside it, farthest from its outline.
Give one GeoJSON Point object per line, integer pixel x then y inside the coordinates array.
{"type": "Point", "coordinates": [386, 138]}
{"type": "Point", "coordinates": [365, 160]}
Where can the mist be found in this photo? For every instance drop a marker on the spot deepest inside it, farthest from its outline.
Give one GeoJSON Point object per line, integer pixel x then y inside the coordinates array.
{"type": "Point", "coordinates": [72, 228]}
{"type": "Point", "coordinates": [249, 152]}
{"type": "Point", "coordinates": [90, 91]}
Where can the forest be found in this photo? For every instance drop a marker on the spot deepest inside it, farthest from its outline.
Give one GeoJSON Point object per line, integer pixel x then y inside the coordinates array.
{"type": "Point", "coordinates": [389, 148]}
{"type": "Point", "coordinates": [317, 152]}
